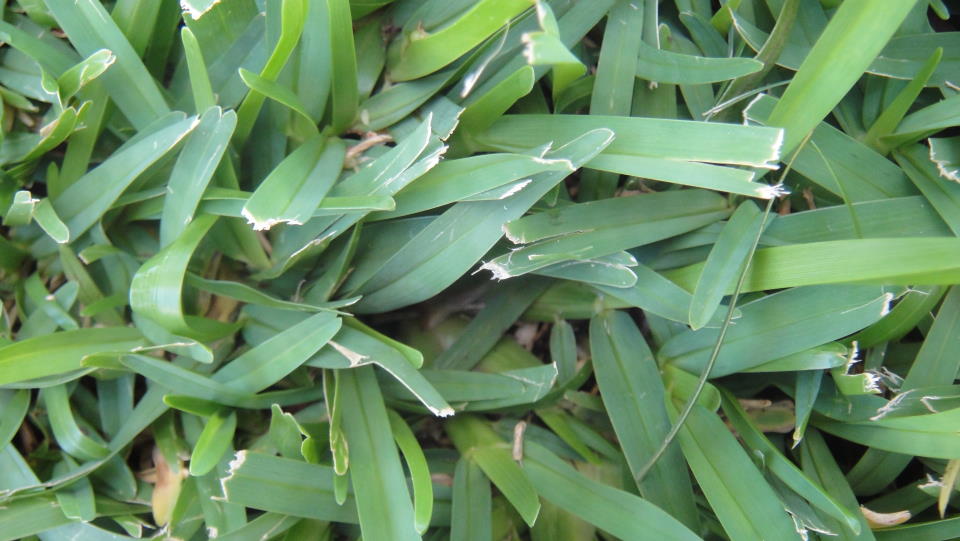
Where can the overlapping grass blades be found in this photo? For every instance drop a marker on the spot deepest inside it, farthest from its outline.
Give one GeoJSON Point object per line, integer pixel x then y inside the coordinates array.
{"type": "Point", "coordinates": [451, 269]}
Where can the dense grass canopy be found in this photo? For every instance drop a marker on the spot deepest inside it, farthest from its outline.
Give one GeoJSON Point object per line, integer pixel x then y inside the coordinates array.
{"type": "Point", "coordinates": [479, 270]}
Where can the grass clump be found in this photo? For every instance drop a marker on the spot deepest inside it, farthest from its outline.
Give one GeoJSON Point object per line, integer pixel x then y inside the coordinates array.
{"type": "Point", "coordinates": [494, 269]}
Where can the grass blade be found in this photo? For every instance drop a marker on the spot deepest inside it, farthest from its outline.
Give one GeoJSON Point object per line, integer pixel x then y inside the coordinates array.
{"type": "Point", "coordinates": [383, 502]}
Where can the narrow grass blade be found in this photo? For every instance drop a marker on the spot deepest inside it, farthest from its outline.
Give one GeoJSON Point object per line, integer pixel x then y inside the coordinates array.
{"type": "Point", "coordinates": [481, 444]}
{"type": "Point", "coordinates": [833, 157]}
{"type": "Point", "coordinates": [420, 53]}
{"type": "Point", "coordinates": [501, 310]}
{"type": "Point", "coordinates": [649, 137]}
{"type": "Point", "coordinates": [778, 325]}
{"type": "Point", "coordinates": [156, 288]}
{"type": "Point", "coordinates": [132, 88]}
{"type": "Point", "coordinates": [249, 295]}
{"type": "Point", "coordinates": [275, 358]}
{"type": "Point", "coordinates": [86, 200]}
{"type": "Point", "coordinates": [214, 442]}
{"type": "Point", "coordinates": [454, 180]}
{"type": "Point", "coordinates": [293, 15]}
{"type": "Point", "coordinates": [666, 217]}
{"type": "Point", "coordinates": [383, 502]}
{"type": "Point", "coordinates": [65, 429]}
{"type": "Point", "coordinates": [668, 67]}
{"type": "Point", "coordinates": [745, 504]}
{"type": "Point", "coordinates": [62, 352]}
{"type": "Point", "coordinates": [482, 110]}
{"type": "Point", "coordinates": [194, 168]}
{"type": "Point", "coordinates": [599, 504]}
{"type": "Point", "coordinates": [203, 96]}
{"type": "Point", "coordinates": [297, 488]}
{"type": "Point", "coordinates": [419, 471]}
{"type": "Point", "coordinates": [344, 95]}
{"type": "Point", "coordinates": [687, 173]}
{"type": "Point", "coordinates": [470, 230]}
{"type": "Point", "coordinates": [77, 500]}
{"type": "Point", "coordinates": [633, 396]}
{"type": "Point", "coordinates": [15, 404]}
{"type": "Point", "coordinates": [945, 152]}
{"type": "Point", "coordinates": [46, 217]}
{"type": "Point", "coordinates": [725, 263]}
{"type": "Point", "coordinates": [470, 518]}
{"type": "Point", "coordinates": [293, 191]}
{"type": "Point", "coordinates": [280, 94]}
{"type": "Point", "coordinates": [856, 33]}
{"type": "Point", "coordinates": [546, 48]}
{"type": "Point", "coordinates": [910, 309]}
{"type": "Point", "coordinates": [778, 465]}
{"type": "Point", "coordinates": [944, 196]}
{"type": "Point", "coordinates": [880, 261]}
{"type": "Point", "coordinates": [887, 122]}
{"type": "Point", "coordinates": [653, 293]}
{"type": "Point", "coordinates": [353, 348]}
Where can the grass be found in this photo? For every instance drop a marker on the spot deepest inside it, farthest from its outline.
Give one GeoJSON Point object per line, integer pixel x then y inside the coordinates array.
{"type": "Point", "coordinates": [552, 270]}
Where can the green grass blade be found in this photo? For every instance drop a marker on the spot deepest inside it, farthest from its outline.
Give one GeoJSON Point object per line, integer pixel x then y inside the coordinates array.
{"type": "Point", "coordinates": [86, 200]}
{"type": "Point", "coordinates": [479, 443]}
{"type": "Point", "coordinates": [648, 137]}
{"type": "Point", "coordinates": [856, 33]}
{"type": "Point", "coordinates": [62, 352]}
{"type": "Point", "coordinates": [293, 191]}
{"type": "Point", "coordinates": [344, 95]}
{"type": "Point", "coordinates": [420, 53]}
{"type": "Point", "coordinates": [501, 310]}
{"type": "Point", "coordinates": [285, 486]}
{"type": "Point", "coordinates": [352, 347]}
{"type": "Point", "coordinates": [156, 288]}
{"type": "Point", "coordinates": [272, 360]}
{"type": "Point", "coordinates": [668, 67]}
{"type": "Point", "coordinates": [633, 396]}
{"type": "Point", "coordinates": [71, 438]}
{"type": "Point", "coordinates": [778, 325]}
{"type": "Point", "coordinates": [783, 469]}
{"type": "Point", "coordinates": [195, 167]}
{"type": "Point", "coordinates": [52, 225]}
{"type": "Point", "coordinates": [474, 226]}
{"type": "Point", "coordinates": [454, 180]}
{"type": "Point", "coordinates": [203, 96]}
{"type": "Point", "coordinates": [725, 263]}
{"type": "Point", "coordinates": [383, 502]}
{"type": "Point", "coordinates": [746, 505]}
{"type": "Point", "coordinates": [90, 28]}
{"type": "Point", "coordinates": [879, 261]}
{"type": "Point", "coordinates": [419, 471]}
{"type": "Point", "coordinates": [470, 518]}
{"type": "Point", "coordinates": [77, 500]}
{"type": "Point", "coordinates": [599, 504]}
{"type": "Point", "coordinates": [280, 94]}
{"type": "Point", "coordinates": [214, 442]}
{"type": "Point", "coordinates": [887, 122]}
{"type": "Point", "coordinates": [293, 15]}
{"type": "Point", "coordinates": [481, 110]}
